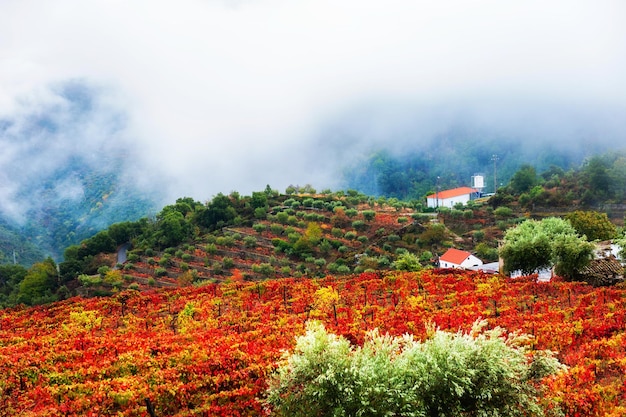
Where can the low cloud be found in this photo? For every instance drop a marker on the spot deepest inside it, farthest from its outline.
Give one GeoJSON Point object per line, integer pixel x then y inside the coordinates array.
{"type": "Point", "coordinates": [200, 97]}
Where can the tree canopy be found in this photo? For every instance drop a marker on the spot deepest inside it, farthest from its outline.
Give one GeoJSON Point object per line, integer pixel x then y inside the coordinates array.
{"type": "Point", "coordinates": [551, 242]}
{"type": "Point", "coordinates": [593, 224]}
{"type": "Point", "coordinates": [480, 373]}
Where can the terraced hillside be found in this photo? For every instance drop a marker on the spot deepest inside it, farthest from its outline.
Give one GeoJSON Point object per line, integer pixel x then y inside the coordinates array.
{"type": "Point", "coordinates": [292, 240]}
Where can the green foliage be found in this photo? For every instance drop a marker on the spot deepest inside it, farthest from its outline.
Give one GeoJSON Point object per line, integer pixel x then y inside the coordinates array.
{"type": "Point", "coordinates": [259, 227]}
{"type": "Point", "coordinates": [503, 212]}
{"type": "Point", "coordinates": [407, 262]}
{"type": "Point", "coordinates": [534, 245]}
{"type": "Point", "coordinates": [249, 241]}
{"type": "Point", "coordinates": [594, 225]}
{"type": "Point", "coordinates": [282, 217]}
{"type": "Point", "coordinates": [228, 262]}
{"type": "Point", "coordinates": [524, 179]}
{"type": "Point", "coordinates": [264, 269]}
{"type": "Point", "coordinates": [486, 252]}
{"type": "Point", "coordinates": [39, 284]}
{"type": "Point", "coordinates": [434, 234]}
{"type": "Point", "coordinates": [368, 215]}
{"type": "Point", "coordinates": [171, 229]}
{"type": "Point", "coordinates": [218, 213]}
{"type": "Point", "coordinates": [351, 212]}
{"type": "Point", "coordinates": [276, 229]}
{"type": "Point", "coordinates": [481, 373]}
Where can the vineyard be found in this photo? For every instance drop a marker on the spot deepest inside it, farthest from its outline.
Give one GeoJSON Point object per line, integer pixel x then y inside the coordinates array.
{"type": "Point", "coordinates": [302, 242]}
{"type": "Point", "coordinates": [209, 350]}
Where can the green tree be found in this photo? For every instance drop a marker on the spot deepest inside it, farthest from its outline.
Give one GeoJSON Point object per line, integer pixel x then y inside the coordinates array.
{"type": "Point", "coordinates": [39, 283]}
{"type": "Point", "coordinates": [482, 373]}
{"type": "Point", "coordinates": [218, 213]}
{"type": "Point", "coordinates": [259, 200]}
{"type": "Point", "coordinates": [596, 176]}
{"type": "Point", "coordinates": [523, 180]}
{"type": "Point", "coordinates": [172, 229]}
{"type": "Point", "coordinates": [407, 262]}
{"type": "Point", "coordinates": [534, 245]}
{"type": "Point", "coordinates": [368, 215]}
{"type": "Point", "coordinates": [10, 278]}
{"type": "Point", "coordinates": [593, 224]}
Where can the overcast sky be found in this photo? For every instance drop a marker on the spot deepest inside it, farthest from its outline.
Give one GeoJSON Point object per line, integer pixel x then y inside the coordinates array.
{"type": "Point", "coordinates": [234, 95]}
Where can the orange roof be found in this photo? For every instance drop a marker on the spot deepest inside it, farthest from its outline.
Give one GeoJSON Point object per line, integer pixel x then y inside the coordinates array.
{"type": "Point", "coordinates": [455, 192]}
{"type": "Point", "coordinates": [455, 256]}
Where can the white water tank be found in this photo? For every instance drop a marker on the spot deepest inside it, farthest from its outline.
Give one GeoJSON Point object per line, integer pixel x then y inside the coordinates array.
{"type": "Point", "coordinates": [478, 181]}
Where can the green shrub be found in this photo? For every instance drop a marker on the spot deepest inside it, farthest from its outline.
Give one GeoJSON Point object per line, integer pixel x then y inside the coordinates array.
{"type": "Point", "coordinates": [503, 212]}
{"type": "Point", "coordinates": [393, 238]}
{"type": "Point", "coordinates": [259, 227]}
{"type": "Point", "coordinates": [228, 262]}
{"type": "Point", "coordinates": [358, 225]}
{"type": "Point", "coordinates": [343, 269]}
{"type": "Point", "coordinates": [481, 373]}
{"type": "Point", "coordinates": [249, 241]}
{"type": "Point", "coordinates": [276, 229]}
{"type": "Point", "coordinates": [132, 257]}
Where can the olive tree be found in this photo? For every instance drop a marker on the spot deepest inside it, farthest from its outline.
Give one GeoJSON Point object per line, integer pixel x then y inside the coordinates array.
{"type": "Point", "coordinates": [593, 224]}
{"type": "Point", "coordinates": [551, 242]}
{"type": "Point", "coordinates": [480, 373]}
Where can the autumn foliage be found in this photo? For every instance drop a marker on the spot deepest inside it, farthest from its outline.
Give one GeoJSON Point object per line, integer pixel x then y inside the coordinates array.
{"type": "Point", "coordinates": [211, 350]}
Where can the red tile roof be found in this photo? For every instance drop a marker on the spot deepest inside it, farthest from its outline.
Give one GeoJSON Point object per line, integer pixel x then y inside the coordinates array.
{"type": "Point", "coordinates": [455, 256]}
{"type": "Point", "coordinates": [455, 192]}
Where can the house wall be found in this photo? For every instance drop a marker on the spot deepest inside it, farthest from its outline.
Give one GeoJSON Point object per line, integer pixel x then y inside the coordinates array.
{"type": "Point", "coordinates": [444, 264]}
{"type": "Point", "coordinates": [447, 202]}
{"type": "Point", "coordinates": [471, 261]}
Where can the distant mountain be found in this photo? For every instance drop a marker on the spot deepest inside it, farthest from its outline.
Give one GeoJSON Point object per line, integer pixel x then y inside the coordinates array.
{"type": "Point", "coordinates": [451, 159]}
{"type": "Point", "coordinates": [61, 178]}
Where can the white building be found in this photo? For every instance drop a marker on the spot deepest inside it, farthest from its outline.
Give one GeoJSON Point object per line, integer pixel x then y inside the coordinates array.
{"type": "Point", "coordinates": [455, 258]}
{"type": "Point", "coordinates": [448, 198]}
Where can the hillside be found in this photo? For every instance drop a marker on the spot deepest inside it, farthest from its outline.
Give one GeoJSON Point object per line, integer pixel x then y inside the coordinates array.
{"type": "Point", "coordinates": [297, 235]}
{"type": "Point", "coordinates": [208, 350]}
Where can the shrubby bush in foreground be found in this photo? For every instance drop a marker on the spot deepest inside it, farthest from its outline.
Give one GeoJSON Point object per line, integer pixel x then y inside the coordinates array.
{"type": "Point", "coordinates": [481, 373]}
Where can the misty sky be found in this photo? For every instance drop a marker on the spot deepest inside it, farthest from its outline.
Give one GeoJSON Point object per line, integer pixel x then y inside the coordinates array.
{"type": "Point", "coordinates": [212, 96]}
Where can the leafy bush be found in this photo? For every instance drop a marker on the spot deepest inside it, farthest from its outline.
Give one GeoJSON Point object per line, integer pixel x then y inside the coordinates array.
{"type": "Point", "coordinates": [407, 262]}
{"type": "Point", "coordinates": [259, 227]}
{"type": "Point", "coordinates": [393, 238]}
{"type": "Point", "coordinates": [249, 241]}
{"type": "Point", "coordinates": [480, 373]}
{"type": "Point", "coordinates": [503, 212]}
{"type": "Point", "coordinates": [358, 225]}
{"type": "Point", "coordinates": [228, 262]}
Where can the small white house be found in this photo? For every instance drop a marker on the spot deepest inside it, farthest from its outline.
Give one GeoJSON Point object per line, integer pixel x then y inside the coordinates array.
{"type": "Point", "coordinates": [448, 198]}
{"type": "Point", "coordinates": [455, 258]}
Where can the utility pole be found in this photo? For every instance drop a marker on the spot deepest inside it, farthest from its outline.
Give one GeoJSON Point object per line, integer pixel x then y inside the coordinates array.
{"type": "Point", "coordinates": [495, 158]}
{"type": "Point", "coordinates": [437, 192]}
